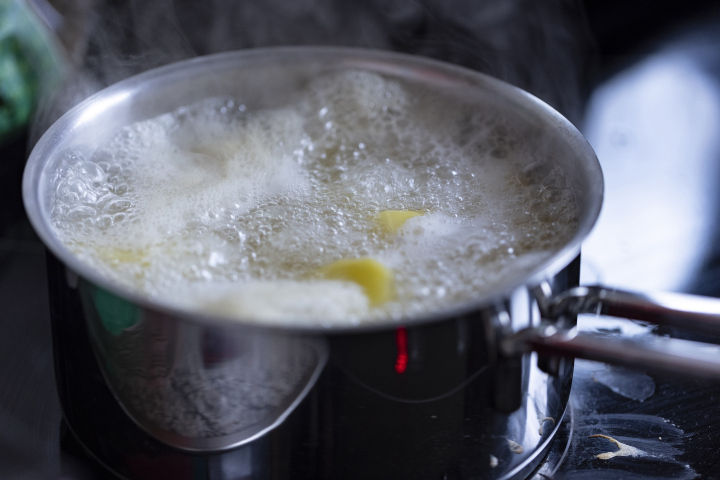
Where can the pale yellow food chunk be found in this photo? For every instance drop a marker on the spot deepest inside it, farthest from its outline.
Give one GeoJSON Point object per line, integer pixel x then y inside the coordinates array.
{"type": "Point", "coordinates": [390, 221]}
{"type": "Point", "coordinates": [375, 278]}
{"type": "Point", "coordinates": [287, 300]}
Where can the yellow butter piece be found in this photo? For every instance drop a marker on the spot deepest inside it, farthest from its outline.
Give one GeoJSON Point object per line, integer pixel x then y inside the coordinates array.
{"type": "Point", "coordinates": [374, 277]}
{"type": "Point", "coordinates": [390, 221]}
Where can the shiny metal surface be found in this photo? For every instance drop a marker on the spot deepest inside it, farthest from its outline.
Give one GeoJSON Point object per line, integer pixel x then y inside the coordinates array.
{"type": "Point", "coordinates": [458, 402]}
{"type": "Point", "coordinates": [654, 354]}
{"type": "Point", "coordinates": [684, 311]}
{"type": "Point", "coordinates": [688, 312]}
{"type": "Point", "coordinates": [200, 388]}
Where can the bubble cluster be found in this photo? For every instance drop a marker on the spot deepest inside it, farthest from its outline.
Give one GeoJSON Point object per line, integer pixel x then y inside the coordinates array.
{"type": "Point", "coordinates": [215, 197]}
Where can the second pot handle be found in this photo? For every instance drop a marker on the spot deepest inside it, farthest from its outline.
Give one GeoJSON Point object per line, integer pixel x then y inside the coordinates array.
{"type": "Point", "coordinates": [687, 312]}
{"type": "Point", "coordinates": [684, 311]}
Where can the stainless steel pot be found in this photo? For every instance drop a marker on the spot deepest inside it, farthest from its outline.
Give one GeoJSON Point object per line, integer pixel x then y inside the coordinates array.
{"type": "Point", "coordinates": [485, 384]}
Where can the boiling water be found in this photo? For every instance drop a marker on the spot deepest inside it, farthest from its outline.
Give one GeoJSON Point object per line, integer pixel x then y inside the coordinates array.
{"type": "Point", "coordinates": [231, 210]}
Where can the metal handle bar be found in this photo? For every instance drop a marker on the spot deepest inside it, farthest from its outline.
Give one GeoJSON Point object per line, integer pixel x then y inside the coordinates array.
{"type": "Point", "coordinates": [684, 311]}
{"type": "Point", "coordinates": [688, 312]}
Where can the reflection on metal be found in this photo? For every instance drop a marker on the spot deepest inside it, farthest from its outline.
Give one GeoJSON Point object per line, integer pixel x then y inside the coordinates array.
{"type": "Point", "coordinates": [201, 388]}
{"type": "Point", "coordinates": [515, 447]}
{"type": "Point", "coordinates": [542, 423]}
{"type": "Point", "coordinates": [651, 353]}
{"type": "Point", "coordinates": [684, 311]}
{"type": "Point", "coordinates": [656, 354]}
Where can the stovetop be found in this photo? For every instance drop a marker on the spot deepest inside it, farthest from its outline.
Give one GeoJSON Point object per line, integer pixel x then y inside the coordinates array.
{"type": "Point", "coordinates": [654, 127]}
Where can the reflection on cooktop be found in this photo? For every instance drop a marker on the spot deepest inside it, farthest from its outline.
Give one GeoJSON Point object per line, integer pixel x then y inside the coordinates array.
{"type": "Point", "coordinates": [670, 432]}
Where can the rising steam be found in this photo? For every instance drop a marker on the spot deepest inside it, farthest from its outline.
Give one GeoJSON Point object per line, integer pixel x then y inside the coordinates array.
{"type": "Point", "coordinates": [540, 46]}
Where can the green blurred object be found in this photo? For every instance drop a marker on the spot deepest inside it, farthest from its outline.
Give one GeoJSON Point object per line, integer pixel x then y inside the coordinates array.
{"type": "Point", "coordinates": [116, 314]}
{"type": "Point", "coordinates": [31, 65]}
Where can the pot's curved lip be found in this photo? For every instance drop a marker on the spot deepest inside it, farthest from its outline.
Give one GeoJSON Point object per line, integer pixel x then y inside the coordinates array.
{"type": "Point", "coordinates": [379, 61]}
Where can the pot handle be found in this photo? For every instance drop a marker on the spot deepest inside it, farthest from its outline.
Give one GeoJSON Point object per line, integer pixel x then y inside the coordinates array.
{"type": "Point", "coordinates": [688, 312]}
{"type": "Point", "coordinates": [684, 311]}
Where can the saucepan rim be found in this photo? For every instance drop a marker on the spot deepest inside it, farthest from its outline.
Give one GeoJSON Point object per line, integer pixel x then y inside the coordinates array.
{"type": "Point", "coordinates": [379, 60]}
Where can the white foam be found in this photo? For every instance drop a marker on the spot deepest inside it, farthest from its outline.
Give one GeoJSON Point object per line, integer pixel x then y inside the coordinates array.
{"type": "Point", "coordinates": [214, 194]}
{"type": "Point", "coordinates": [267, 302]}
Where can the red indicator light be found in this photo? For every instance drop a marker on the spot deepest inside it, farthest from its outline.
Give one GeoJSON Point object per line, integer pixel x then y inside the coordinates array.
{"type": "Point", "coordinates": [402, 356]}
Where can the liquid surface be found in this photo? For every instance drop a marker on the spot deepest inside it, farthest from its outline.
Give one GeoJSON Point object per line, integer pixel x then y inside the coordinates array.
{"type": "Point", "coordinates": [235, 211]}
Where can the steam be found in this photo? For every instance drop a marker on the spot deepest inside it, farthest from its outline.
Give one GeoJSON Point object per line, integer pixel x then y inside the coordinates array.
{"type": "Point", "coordinates": [540, 46]}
